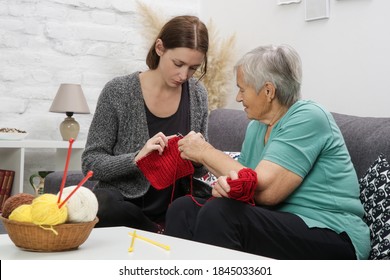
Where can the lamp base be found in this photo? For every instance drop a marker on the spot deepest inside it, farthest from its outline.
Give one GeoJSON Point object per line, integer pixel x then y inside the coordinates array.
{"type": "Point", "coordinates": [69, 128]}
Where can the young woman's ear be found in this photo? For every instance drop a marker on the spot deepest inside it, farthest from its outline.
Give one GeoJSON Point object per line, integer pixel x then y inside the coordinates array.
{"type": "Point", "coordinates": [159, 47]}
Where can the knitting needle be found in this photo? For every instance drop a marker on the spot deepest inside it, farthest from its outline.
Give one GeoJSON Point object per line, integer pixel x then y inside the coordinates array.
{"type": "Point", "coordinates": [71, 140]}
{"type": "Point", "coordinates": [166, 247]}
{"type": "Point", "coordinates": [132, 242]}
{"type": "Point", "coordinates": [89, 175]}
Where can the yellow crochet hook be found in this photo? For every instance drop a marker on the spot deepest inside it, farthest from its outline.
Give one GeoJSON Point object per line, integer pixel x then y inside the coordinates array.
{"type": "Point", "coordinates": [166, 247]}
{"type": "Point", "coordinates": [132, 242]}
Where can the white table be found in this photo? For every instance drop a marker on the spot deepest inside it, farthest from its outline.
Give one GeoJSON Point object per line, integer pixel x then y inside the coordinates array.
{"type": "Point", "coordinates": [113, 244]}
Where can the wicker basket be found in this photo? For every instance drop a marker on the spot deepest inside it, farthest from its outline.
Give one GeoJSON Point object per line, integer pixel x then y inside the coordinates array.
{"type": "Point", "coordinates": [31, 237]}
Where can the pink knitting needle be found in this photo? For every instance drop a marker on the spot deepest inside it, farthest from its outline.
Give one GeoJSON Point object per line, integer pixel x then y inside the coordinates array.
{"type": "Point", "coordinates": [71, 140]}
{"type": "Point", "coordinates": [89, 175]}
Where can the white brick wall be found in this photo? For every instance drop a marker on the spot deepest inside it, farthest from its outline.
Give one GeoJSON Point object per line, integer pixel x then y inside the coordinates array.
{"type": "Point", "coordinates": [46, 43]}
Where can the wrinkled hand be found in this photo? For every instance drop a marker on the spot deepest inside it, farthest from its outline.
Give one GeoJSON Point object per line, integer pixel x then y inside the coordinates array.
{"type": "Point", "coordinates": [192, 146]}
{"type": "Point", "coordinates": [157, 143]}
{"type": "Point", "coordinates": [221, 187]}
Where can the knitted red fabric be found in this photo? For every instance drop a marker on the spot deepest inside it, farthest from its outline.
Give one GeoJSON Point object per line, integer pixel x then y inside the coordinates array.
{"type": "Point", "coordinates": [244, 187]}
{"type": "Point", "coordinates": [163, 170]}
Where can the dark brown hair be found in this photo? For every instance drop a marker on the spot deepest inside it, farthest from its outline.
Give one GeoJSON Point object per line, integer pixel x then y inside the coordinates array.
{"type": "Point", "coordinates": [181, 32]}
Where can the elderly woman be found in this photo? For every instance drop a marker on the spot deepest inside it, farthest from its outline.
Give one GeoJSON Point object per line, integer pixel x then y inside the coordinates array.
{"type": "Point", "coordinates": [293, 193]}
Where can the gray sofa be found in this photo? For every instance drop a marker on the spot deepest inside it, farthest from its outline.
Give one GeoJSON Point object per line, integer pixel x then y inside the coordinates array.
{"type": "Point", "coordinates": [366, 138]}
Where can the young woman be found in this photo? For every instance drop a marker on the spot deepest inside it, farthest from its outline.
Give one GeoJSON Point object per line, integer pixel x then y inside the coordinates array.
{"type": "Point", "coordinates": [136, 114]}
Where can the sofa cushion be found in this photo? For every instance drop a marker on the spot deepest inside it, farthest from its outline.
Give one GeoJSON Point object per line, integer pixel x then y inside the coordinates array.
{"type": "Point", "coordinates": [226, 129]}
{"type": "Point", "coordinates": [365, 137]}
{"type": "Point", "coordinates": [53, 181]}
{"type": "Point", "coordinates": [375, 197]}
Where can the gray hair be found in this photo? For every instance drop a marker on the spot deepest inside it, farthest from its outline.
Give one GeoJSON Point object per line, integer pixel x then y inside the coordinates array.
{"type": "Point", "coordinates": [280, 65]}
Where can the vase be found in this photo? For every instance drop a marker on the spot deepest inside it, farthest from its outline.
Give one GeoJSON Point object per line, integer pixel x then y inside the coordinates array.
{"type": "Point", "coordinates": [38, 185]}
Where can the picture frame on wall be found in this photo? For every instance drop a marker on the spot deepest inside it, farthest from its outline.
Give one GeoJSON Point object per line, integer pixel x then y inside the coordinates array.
{"type": "Point", "coordinates": [286, 2]}
{"type": "Point", "coordinates": [317, 9]}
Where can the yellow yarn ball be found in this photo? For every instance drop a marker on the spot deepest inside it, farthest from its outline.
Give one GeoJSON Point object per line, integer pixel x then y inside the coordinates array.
{"type": "Point", "coordinates": [45, 211]}
{"type": "Point", "coordinates": [21, 213]}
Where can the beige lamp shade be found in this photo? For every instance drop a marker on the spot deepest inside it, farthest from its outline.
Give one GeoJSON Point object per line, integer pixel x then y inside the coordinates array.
{"type": "Point", "coordinates": [70, 99]}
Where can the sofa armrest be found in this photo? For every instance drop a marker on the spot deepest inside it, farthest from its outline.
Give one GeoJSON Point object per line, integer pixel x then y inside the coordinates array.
{"type": "Point", "coordinates": [53, 181]}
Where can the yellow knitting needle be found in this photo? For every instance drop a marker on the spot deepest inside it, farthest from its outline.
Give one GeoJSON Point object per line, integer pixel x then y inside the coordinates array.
{"type": "Point", "coordinates": [166, 247]}
{"type": "Point", "coordinates": [132, 242]}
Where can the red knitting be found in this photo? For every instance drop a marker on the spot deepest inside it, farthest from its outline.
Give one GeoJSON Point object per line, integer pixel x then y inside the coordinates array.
{"type": "Point", "coordinates": [244, 187]}
{"type": "Point", "coordinates": [163, 170]}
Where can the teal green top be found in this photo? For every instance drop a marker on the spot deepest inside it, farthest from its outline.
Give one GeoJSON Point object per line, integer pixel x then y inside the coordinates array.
{"type": "Point", "coordinates": [308, 142]}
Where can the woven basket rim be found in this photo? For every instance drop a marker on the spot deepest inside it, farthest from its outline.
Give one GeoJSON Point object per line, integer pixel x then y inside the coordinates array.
{"type": "Point", "coordinates": [32, 237]}
{"type": "Point", "coordinates": [6, 220]}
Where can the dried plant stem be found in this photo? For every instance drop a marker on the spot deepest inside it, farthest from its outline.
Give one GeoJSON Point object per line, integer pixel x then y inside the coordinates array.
{"type": "Point", "coordinates": [220, 56]}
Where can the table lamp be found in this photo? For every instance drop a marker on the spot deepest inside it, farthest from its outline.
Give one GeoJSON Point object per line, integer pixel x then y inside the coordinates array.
{"type": "Point", "coordinates": [70, 100]}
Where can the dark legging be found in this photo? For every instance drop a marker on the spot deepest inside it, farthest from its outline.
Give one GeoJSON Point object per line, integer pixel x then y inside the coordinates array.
{"type": "Point", "coordinates": [236, 225]}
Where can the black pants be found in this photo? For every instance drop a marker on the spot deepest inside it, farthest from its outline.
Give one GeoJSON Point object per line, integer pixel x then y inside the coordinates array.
{"type": "Point", "coordinates": [146, 212]}
{"type": "Point", "coordinates": [115, 210]}
{"type": "Point", "coordinates": [236, 225]}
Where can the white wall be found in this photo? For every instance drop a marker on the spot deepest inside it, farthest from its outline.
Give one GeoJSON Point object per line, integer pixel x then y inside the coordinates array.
{"type": "Point", "coordinates": [346, 58]}
{"type": "Point", "coordinates": [44, 43]}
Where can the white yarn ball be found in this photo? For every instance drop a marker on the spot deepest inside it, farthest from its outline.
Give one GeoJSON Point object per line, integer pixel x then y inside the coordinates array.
{"type": "Point", "coordinates": [82, 205]}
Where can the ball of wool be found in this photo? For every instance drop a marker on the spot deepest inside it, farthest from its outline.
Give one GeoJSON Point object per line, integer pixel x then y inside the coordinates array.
{"type": "Point", "coordinates": [244, 187]}
{"type": "Point", "coordinates": [21, 213]}
{"type": "Point", "coordinates": [45, 211]}
{"type": "Point", "coordinates": [82, 205]}
{"type": "Point", "coordinates": [15, 201]}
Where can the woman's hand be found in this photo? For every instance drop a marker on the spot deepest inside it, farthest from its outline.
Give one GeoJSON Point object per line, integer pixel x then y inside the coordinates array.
{"type": "Point", "coordinates": [221, 187]}
{"type": "Point", "coordinates": [157, 143]}
{"type": "Point", "coordinates": [192, 146]}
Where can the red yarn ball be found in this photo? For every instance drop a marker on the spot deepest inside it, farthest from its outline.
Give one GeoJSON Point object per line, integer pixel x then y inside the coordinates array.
{"type": "Point", "coordinates": [244, 187]}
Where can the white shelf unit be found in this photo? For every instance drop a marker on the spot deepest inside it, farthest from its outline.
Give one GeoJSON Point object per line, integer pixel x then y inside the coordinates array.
{"type": "Point", "coordinates": [12, 156]}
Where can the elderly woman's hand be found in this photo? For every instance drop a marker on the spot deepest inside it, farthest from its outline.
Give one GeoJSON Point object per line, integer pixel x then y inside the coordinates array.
{"type": "Point", "coordinates": [192, 147]}
{"type": "Point", "coordinates": [221, 187]}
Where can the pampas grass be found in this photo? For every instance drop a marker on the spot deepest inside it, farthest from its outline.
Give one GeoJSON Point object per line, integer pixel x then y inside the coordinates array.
{"type": "Point", "coordinates": [219, 67]}
{"type": "Point", "coordinates": [151, 21]}
{"type": "Point", "coordinates": [221, 55]}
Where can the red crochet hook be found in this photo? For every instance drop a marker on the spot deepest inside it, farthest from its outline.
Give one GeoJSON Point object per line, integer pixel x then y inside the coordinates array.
{"type": "Point", "coordinates": [71, 140]}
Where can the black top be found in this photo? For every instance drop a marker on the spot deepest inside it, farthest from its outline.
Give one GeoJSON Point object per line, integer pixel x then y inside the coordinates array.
{"type": "Point", "coordinates": [179, 122]}
{"type": "Point", "coordinates": [154, 203]}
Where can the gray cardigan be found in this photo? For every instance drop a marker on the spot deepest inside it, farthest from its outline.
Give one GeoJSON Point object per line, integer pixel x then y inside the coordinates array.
{"type": "Point", "coordinates": [119, 130]}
